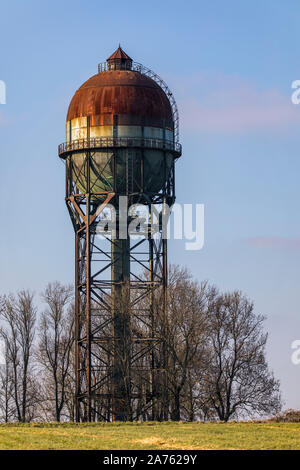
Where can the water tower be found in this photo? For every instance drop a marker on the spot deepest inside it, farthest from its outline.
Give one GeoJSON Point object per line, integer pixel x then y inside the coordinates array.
{"type": "Point", "coordinates": [121, 140]}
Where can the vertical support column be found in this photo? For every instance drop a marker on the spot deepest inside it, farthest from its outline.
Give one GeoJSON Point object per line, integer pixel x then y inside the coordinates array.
{"type": "Point", "coordinates": [165, 300]}
{"type": "Point", "coordinates": [165, 330]}
{"type": "Point", "coordinates": [121, 329]}
{"type": "Point", "coordinates": [77, 365]}
{"type": "Point", "coordinates": [120, 275]}
{"type": "Point", "coordinates": [151, 311]}
{"type": "Point", "coordinates": [88, 294]}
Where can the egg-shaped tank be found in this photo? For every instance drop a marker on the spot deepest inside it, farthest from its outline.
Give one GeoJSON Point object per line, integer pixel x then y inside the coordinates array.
{"type": "Point", "coordinates": [126, 120]}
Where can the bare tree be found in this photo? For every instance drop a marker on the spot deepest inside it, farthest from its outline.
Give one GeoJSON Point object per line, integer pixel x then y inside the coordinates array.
{"type": "Point", "coordinates": [56, 338]}
{"type": "Point", "coordinates": [187, 318]}
{"type": "Point", "coordinates": [215, 345]}
{"type": "Point", "coordinates": [6, 386]}
{"type": "Point", "coordinates": [237, 379]}
{"type": "Point", "coordinates": [19, 315]}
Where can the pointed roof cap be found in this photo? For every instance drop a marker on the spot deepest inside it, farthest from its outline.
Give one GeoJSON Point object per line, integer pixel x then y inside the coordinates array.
{"type": "Point", "coordinates": [119, 54]}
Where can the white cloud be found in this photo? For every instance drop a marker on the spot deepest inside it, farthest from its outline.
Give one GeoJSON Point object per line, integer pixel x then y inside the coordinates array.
{"type": "Point", "coordinates": [274, 242]}
{"type": "Point", "coordinates": [231, 105]}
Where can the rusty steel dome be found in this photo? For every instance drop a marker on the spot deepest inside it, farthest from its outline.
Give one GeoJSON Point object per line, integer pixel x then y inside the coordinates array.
{"type": "Point", "coordinates": [136, 99]}
{"type": "Point", "coordinates": [124, 100]}
{"type": "Point", "coordinates": [127, 116]}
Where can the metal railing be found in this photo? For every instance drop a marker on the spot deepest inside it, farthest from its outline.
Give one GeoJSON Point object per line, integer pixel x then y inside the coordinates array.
{"type": "Point", "coordinates": [110, 142]}
{"type": "Point", "coordinates": [136, 67]}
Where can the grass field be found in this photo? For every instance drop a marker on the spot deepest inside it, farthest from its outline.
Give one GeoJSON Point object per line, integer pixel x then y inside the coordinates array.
{"type": "Point", "coordinates": [151, 436]}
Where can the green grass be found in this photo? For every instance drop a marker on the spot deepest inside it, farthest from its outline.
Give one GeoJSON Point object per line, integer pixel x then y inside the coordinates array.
{"type": "Point", "coordinates": [151, 436]}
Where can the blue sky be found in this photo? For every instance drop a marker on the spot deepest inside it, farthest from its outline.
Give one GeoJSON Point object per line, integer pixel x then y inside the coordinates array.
{"type": "Point", "coordinates": [230, 65]}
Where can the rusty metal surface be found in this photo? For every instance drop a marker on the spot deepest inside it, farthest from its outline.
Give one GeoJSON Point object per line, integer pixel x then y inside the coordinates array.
{"type": "Point", "coordinates": [134, 97]}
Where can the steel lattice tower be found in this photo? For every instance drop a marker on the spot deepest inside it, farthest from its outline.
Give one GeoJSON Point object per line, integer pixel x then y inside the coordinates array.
{"type": "Point", "coordinates": [122, 140]}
